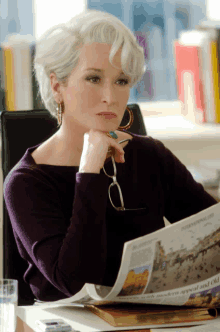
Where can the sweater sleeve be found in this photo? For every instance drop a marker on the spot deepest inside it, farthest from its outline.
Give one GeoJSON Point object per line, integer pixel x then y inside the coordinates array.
{"type": "Point", "coordinates": [182, 194]}
{"type": "Point", "coordinates": [68, 253]}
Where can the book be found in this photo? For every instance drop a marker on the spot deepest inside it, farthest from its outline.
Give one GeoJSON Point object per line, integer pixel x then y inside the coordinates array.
{"type": "Point", "coordinates": [145, 87]}
{"type": "Point", "coordinates": [121, 315]}
{"type": "Point", "coordinates": [2, 79]}
{"type": "Point", "coordinates": [206, 42]}
{"type": "Point", "coordinates": [176, 268]}
{"type": "Point", "coordinates": [17, 74]}
{"type": "Point", "coordinates": [218, 52]}
{"type": "Point", "coordinates": [215, 72]}
{"type": "Point", "coordinates": [190, 82]}
{"type": "Point", "coordinates": [9, 77]}
{"type": "Point", "coordinates": [23, 98]}
{"type": "Point", "coordinates": [211, 326]}
{"type": "Point", "coordinates": [211, 66]}
{"type": "Point", "coordinates": [214, 27]}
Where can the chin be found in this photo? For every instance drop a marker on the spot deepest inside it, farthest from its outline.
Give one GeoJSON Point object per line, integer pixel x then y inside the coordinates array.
{"type": "Point", "coordinates": [106, 128]}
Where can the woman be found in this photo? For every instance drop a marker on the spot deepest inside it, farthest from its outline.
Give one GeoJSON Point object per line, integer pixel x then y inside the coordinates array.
{"type": "Point", "coordinates": [69, 222]}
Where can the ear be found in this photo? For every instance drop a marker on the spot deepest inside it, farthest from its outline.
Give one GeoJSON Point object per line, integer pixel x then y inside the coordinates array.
{"type": "Point", "coordinates": [56, 88]}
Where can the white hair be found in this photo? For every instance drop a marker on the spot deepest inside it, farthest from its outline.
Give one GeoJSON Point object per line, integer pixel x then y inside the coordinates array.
{"type": "Point", "coordinates": [59, 48]}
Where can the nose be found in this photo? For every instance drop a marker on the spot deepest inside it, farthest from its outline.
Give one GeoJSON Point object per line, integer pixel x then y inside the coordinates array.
{"type": "Point", "coordinates": [109, 93]}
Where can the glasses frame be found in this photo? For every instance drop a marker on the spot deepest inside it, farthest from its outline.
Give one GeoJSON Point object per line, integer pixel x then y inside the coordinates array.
{"type": "Point", "coordinates": [115, 183]}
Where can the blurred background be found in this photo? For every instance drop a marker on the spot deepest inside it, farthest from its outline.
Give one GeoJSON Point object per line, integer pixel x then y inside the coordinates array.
{"type": "Point", "coordinates": [156, 23]}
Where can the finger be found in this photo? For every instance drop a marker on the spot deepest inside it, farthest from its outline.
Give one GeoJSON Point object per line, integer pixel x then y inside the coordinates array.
{"type": "Point", "coordinates": [119, 157]}
{"type": "Point", "coordinates": [117, 151]}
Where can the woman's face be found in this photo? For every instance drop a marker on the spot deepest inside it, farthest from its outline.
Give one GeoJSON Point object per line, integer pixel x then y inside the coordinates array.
{"type": "Point", "coordinates": [91, 91]}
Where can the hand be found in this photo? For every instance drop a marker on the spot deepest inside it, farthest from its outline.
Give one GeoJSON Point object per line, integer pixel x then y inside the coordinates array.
{"type": "Point", "coordinates": [95, 150]}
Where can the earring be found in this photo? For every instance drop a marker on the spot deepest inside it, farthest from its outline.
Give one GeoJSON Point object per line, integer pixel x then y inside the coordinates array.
{"type": "Point", "coordinates": [59, 113]}
{"type": "Point", "coordinates": [128, 125]}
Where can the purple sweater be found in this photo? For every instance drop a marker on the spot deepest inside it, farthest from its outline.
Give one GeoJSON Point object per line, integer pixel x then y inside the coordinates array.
{"type": "Point", "coordinates": [66, 228]}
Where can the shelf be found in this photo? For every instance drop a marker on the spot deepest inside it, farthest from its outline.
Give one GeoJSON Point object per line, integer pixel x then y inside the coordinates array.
{"type": "Point", "coordinates": [210, 24]}
{"type": "Point", "coordinates": [177, 127]}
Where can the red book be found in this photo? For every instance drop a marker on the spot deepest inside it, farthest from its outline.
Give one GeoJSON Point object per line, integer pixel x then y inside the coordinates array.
{"type": "Point", "coordinates": [190, 81]}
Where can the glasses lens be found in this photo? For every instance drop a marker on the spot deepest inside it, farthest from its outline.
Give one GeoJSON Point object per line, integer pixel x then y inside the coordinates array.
{"type": "Point", "coordinates": [115, 196]}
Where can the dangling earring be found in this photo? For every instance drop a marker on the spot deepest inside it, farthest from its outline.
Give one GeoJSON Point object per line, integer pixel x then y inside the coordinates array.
{"type": "Point", "coordinates": [59, 113]}
{"type": "Point", "coordinates": [127, 126]}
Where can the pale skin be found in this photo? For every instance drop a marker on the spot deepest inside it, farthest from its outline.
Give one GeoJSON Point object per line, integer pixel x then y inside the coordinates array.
{"type": "Point", "coordinates": [81, 140]}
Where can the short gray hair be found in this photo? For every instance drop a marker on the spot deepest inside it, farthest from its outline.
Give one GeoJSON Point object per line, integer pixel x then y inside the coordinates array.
{"type": "Point", "coordinates": [59, 48]}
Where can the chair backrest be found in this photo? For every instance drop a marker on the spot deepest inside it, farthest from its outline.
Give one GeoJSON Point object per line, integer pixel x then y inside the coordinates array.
{"type": "Point", "coordinates": [19, 131]}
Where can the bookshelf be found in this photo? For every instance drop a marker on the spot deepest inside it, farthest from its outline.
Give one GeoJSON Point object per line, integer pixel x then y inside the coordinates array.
{"type": "Point", "coordinates": [210, 24]}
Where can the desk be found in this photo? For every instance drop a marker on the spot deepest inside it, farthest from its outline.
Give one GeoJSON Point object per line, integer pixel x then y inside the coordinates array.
{"type": "Point", "coordinates": [23, 327]}
{"type": "Point", "coordinates": [188, 141]}
{"type": "Point", "coordinates": [213, 192]}
{"type": "Point", "coordinates": [80, 319]}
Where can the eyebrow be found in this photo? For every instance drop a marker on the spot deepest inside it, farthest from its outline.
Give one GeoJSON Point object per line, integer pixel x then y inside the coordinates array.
{"type": "Point", "coordinates": [100, 70]}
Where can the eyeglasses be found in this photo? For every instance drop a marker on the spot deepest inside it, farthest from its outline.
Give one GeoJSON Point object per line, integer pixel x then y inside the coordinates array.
{"type": "Point", "coordinates": [115, 183]}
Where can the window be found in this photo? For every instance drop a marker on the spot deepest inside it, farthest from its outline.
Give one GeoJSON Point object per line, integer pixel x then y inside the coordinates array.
{"type": "Point", "coordinates": [48, 13]}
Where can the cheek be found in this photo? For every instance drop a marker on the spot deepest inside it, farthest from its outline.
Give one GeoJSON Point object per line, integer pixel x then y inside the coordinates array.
{"type": "Point", "coordinates": [124, 96]}
{"type": "Point", "coordinates": [91, 95]}
{"type": "Point", "coordinates": [77, 94]}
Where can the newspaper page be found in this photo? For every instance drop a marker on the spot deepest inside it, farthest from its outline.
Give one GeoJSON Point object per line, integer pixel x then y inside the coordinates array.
{"type": "Point", "coordinates": [78, 299]}
{"type": "Point", "coordinates": [176, 265]}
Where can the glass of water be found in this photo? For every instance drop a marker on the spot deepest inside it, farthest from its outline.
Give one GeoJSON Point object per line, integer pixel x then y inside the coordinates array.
{"type": "Point", "coordinates": [8, 305]}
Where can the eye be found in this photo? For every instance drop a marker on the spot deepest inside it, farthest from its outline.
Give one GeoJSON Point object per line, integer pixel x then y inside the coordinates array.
{"type": "Point", "coordinates": [92, 78]}
{"type": "Point", "coordinates": [125, 81]}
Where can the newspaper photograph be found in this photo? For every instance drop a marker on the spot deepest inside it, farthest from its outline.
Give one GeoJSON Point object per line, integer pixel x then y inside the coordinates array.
{"type": "Point", "coordinates": [184, 267]}
{"type": "Point", "coordinates": [176, 265]}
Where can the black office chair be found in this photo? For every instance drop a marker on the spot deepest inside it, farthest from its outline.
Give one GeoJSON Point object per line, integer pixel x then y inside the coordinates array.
{"type": "Point", "coordinates": [19, 131]}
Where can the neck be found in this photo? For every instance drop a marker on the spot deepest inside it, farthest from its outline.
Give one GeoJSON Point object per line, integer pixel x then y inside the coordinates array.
{"type": "Point", "coordinates": [71, 138]}
{"type": "Point", "coordinates": [67, 140]}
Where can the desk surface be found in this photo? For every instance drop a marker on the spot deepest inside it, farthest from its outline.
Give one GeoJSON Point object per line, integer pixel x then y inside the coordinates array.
{"type": "Point", "coordinates": [213, 192]}
{"type": "Point", "coordinates": [23, 327]}
{"type": "Point", "coordinates": [80, 319]}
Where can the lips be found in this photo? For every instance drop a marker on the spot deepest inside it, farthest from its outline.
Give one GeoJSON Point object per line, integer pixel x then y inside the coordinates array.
{"type": "Point", "coordinates": [108, 115]}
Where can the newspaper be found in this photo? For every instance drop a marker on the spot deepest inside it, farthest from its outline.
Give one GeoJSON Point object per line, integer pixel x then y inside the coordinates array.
{"type": "Point", "coordinates": [176, 265]}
